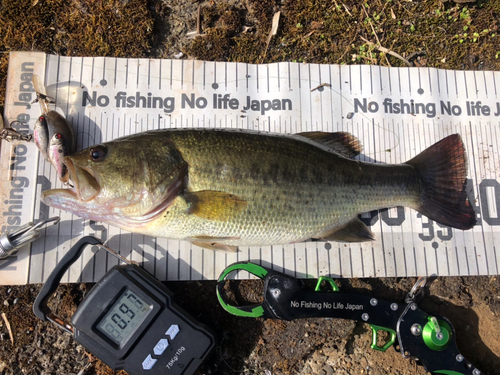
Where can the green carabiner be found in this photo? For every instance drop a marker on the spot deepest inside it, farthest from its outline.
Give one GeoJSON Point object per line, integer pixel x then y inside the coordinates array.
{"type": "Point", "coordinates": [252, 311]}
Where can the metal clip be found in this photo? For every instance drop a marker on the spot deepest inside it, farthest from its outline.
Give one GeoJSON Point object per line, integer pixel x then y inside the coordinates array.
{"type": "Point", "coordinates": [419, 286]}
{"type": "Point", "coordinates": [45, 98]}
{"type": "Point", "coordinates": [10, 134]}
{"type": "Point", "coordinates": [11, 241]}
{"type": "Point", "coordinates": [116, 255]}
{"type": "Point", "coordinates": [60, 323]}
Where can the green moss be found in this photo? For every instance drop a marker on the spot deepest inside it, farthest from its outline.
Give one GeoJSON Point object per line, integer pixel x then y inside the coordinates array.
{"type": "Point", "coordinates": [75, 28]}
{"type": "Point", "coordinates": [214, 45]}
{"type": "Point", "coordinates": [106, 28]}
{"type": "Point", "coordinates": [248, 49]}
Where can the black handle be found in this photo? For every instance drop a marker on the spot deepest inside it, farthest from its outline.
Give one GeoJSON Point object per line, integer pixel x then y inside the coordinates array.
{"type": "Point", "coordinates": [40, 307]}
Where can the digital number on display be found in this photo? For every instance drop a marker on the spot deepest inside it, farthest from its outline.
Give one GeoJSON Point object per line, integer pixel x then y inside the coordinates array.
{"type": "Point", "coordinates": [123, 317]}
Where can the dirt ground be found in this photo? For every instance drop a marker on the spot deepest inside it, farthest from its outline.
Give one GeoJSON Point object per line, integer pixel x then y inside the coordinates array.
{"type": "Point", "coordinates": [450, 35]}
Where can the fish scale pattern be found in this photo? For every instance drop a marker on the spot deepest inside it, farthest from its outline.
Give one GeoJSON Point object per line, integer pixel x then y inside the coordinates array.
{"type": "Point", "coordinates": [240, 187]}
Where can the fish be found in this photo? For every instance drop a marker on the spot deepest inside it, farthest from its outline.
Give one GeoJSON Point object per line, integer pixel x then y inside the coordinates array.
{"type": "Point", "coordinates": [57, 151]}
{"type": "Point", "coordinates": [41, 137]}
{"type": "Point", "coordinates": [221, 188]}
{"type": "Point", "coordinates": [51, 127]}
{"type": "Point", "coordinates": [54, 138]}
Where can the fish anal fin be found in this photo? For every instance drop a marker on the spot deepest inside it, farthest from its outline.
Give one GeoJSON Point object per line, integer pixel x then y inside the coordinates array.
{"type": "Point", "coordinates": [211, 243]}
{"type": "Point", "coordinates": [353, 231]}
{"type": "Point", "coordinates": [342, 143]}
{"type": "Point", "coordinates": [214, 205]}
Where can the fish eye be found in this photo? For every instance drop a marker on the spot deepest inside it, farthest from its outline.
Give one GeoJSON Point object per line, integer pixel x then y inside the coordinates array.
{"type": "Point", "coordinates": [98, 153]}
{"type": "Point", "coordinates": [42, 119]}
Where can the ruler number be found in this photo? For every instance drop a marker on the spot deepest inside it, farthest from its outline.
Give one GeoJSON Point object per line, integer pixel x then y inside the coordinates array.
{"type": "Point", "coordinates": [490, 188]}
{"type": "Point", "coordinates": [428, 231]}
{"type": "Point", "coordinates": [427, 228]}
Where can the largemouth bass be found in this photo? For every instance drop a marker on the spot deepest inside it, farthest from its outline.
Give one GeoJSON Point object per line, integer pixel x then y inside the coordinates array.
{"type": "Point", "coordinates": [223, 188]}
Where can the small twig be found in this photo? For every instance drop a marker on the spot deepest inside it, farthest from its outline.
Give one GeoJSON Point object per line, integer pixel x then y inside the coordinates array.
{"type": "Point", "coordinates": [374, 33]}
{"type": "Point", "coordinates": [309, 34]}
{"type": "Point", "coordinates": [86, 368]}
{"type": "Point", "coordinates": [274, 30]}
{"type": "Point", "coordinates": [198, 20]}
{"type": "Point", "coordinates": [367, 58]}
{"type": "Point", "coordinates": [347, 9]}
{"type": "Point", "coordinates": [388, 51]}
{"type": "Point", "coordinates": [221, 357]}
{"type": "Point", "coordinates": [322, 85]}
{"type": "Point", "coordinates": [385, 5]}
{"type": "Point", "coordinates": [347, 48]}
{"type": "Point", "coordinates": [371, 25]}
{"type": "Point", "coordinates": [7, 325]}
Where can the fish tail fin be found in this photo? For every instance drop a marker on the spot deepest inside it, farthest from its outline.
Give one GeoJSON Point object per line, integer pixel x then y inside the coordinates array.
{"type": "Point", "coordinates": [443, 171]}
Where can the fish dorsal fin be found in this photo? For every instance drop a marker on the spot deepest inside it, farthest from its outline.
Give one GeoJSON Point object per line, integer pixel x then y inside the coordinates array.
{"type": "Point", "coordinates": [353, 231]}
{"type": "Point", "coordinates": [342, 143]}
{"type": "Point", "coordinates": [214, 205]}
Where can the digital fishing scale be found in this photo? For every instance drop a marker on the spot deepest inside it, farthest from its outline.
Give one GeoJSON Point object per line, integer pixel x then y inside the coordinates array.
{"type": "Point", "coordinates": [129, 320]}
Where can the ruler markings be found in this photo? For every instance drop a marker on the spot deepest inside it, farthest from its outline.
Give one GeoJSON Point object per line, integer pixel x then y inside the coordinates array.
{"type": "Point", "coordinates": [391, 254]}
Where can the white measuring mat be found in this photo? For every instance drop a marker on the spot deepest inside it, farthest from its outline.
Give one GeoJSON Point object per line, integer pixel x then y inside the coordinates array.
{"type": "Point", "coordinates": [395, 112]}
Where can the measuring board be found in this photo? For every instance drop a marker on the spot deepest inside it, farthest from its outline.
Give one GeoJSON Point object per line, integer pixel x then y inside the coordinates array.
{"type": "Point", "coordinates": [395, 112]}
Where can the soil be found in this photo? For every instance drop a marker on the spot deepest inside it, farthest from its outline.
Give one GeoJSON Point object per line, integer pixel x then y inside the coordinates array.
{"type": "Point", "coordinates": [450, 35]}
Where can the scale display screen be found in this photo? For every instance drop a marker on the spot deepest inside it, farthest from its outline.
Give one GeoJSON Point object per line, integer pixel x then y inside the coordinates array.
{"type": "Point", "coordinates": [126, 314]}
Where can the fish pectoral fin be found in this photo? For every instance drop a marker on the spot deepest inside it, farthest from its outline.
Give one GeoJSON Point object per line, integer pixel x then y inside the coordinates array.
{"type": "Point", "coordinates": [211, 243]}
{"type": "Point", "coordinates": [342, 143]}
{"type": "Point", "coordinates": [353, 231]}
{"type": "Point", "coordinates": [214, 205]}
{"type": "Point", "coordinates": [168, 197]}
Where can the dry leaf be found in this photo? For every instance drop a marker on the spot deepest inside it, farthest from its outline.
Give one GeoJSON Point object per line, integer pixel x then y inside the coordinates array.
{"type": "Point", "coordinates": [274, 29]}
{"type": "Point", "coordinates": [276, 21]}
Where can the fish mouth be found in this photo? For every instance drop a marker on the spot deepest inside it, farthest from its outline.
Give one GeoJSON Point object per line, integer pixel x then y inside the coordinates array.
{"type": "Point", "coordinates": [85, 183]}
